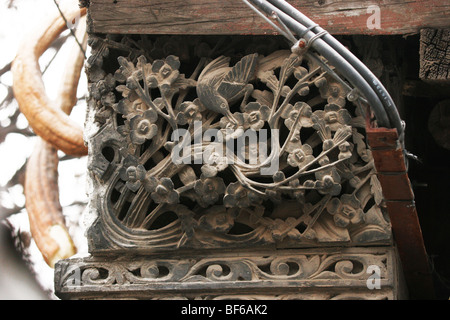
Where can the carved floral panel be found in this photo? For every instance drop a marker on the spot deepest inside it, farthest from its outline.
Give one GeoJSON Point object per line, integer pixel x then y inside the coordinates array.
{"type": "Point", "coordinates": [213, 142]}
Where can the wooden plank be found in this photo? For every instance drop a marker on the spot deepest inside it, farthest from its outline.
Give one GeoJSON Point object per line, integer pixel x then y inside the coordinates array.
{"type": "Point", "coordinates": [399, 196]}
{"type": "Point", "coordinates": [411, 248]}
{"type": "Point", "coordinates": [382, 138]}
{"type": "Point", "coordinates": [234, 17]}
{"type": "Point", "coordinates": [389, 160]}
{"type": "Point", "coordinates": [396, 186]}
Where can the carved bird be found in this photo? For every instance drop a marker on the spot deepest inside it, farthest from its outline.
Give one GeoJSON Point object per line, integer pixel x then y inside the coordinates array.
{"type": "Point", "coordinates": [220, 85]}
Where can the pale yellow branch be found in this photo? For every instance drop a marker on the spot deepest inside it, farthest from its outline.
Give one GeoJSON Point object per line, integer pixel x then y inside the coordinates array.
{"type": "Point", "coordinates": [47, 221]}
{"type": "Point", "coordinates": [47, 120]}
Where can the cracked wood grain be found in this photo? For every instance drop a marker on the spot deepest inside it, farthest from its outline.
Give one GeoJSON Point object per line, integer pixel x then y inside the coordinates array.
{"type": "Point", "coordinates": [435, 54]}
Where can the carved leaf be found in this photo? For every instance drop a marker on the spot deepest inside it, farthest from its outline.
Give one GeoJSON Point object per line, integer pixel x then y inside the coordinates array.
{"type": "Point", "coordinates": [361, 146]}
{"type": "Point", "coordinates": [376, 189]}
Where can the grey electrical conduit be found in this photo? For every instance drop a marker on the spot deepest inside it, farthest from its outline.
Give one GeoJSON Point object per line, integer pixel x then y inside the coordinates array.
{"type": "Point", "coordinates": [347, 70]}
{"type": "Point", "coordinates": [373, 81]}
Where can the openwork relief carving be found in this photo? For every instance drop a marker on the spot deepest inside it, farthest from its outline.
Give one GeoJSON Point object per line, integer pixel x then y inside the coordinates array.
{"type": "Point", "coordinates": [308, 270]}
{"type": "Point", "coordinates": [199, 145]}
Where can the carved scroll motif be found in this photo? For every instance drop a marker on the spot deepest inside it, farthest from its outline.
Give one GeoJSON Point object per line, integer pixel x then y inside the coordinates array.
{"type": "Point", "coordinates": [205, 143]}
{"type": "Point", "coordinates": [281, 275]}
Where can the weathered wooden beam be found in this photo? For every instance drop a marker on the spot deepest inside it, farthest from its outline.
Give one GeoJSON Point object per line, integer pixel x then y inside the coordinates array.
{"type": "Point", "coordinates": [234, 17]}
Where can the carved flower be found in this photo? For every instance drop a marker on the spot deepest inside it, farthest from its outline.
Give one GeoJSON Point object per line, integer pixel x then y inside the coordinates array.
{"type": "Point", "coordinates": [103, 114]}
{"type": "Point", "coordinates": [209, 190]}
{"type": "Point", "coordinates": [164, 73]}
{"type": "Point", "coordinates": [345, 151]}
{"type": "Point", "coordinates": [297, 192]}
{"type": "Point", "coordinates": [214, 164]}
{"type": "Point", "coordinates": [345, 210]}
{"type": "Point", "coordinates": [237, 195]}
{"type": "Point", "coordinates": [217, 219]}
{"type": "Point", "coordinates": [127, 93]}
{"type": "Point", "coordinates": [129, 108]}
{"type": "Point", "coordinates": [128, 73]}
{"type": "Point", "coordinates": [327, 185]}
{"type": "Point", "coordinates": [334, 116]}
{"type": "Point", "coordinates": [334, 92]}
{"type": "Point", "coordinates": [99, 50]}
{"type": "Point", "coordinates": [328, 179]}
{"type": "Point", "coordinates": [284, 228]}
{"type": "Point", "coordinates": [301, 156]}
{"type": "Point", "coordinates": [133, 173]}
{"type": "Point", "coordinates": [164, 192]}
{"type": "Point", "coordinates": [295, 141]}
{"type": "Point", "coordinates": [188, 112]}
{"type": "Point", "coordinates": [256, 115]}
{"type": "Point", "coordinates": [291, 112]}
{"type": "Point", "coordinates": [102, 90]}
{"type": "Point", "coordinates": [274, 194]}
{"type": "Point", "coordinates": [143, 127]}
{"type": "Point", "coordinates": [233, 130]}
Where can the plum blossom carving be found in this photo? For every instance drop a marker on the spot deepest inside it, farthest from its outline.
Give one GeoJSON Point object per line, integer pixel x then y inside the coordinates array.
{"type": "Point", "coordinates": [102, 90]}
{"type": "Point", "coordinates": [333, 91]}
{"type": "Point", "coordinates": [209, 190]}
{"type": "Point", "coordinates": [237, 195]}
{"type": "Point", "coordinates": [301, 156]}
{"type": "Point", "coordinates": [233, 130]}
{"type": "Point", "coordinates": [143, 126]}
{"type": "Point", "coordinates": [164, 192]}
{"type": "Point", "coordinates": [291, 113]}
{"type": "Point", "coordinates": [155, 99]}
{"type": "Point", "coordinates": [334, 116]}
{"type": "Point", "coordinates": [328, 180]}
{"type": "Point", "coordinates": [345, 210]}
{"type": "Point", "coordinates": [164, 73]}
{"type": "Point", "coordinates": [327, 185]}
{"type": "Point", "coordinates": [128, 73]}
{"type": "Point", "coordinates": [217, 219]}
{"type": "Point", "coordinates": [256, 115]}
{"type": "Point", "coordinates": [132, 173]}
{"type": "Point", "coordinates": [189, 111]}
{"type": "Point", "coordinates": [214, 164]}
{"type": "Point", "coordinates": [129, 108]}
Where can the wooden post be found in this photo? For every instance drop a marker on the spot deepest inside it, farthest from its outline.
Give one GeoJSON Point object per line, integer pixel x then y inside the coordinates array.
{"type": "Point", "coordinates": [435, 55]}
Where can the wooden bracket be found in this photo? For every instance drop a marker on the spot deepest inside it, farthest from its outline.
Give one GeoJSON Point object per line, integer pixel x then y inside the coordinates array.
{"type": "Point", "coordinates": [399, 197]}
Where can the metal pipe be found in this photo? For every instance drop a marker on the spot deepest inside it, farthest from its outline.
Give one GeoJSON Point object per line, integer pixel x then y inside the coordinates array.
{"type": "Point", "coordinates": [347, 70]}
{"type": "Point", "coordinates": [371, 79]}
